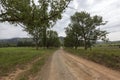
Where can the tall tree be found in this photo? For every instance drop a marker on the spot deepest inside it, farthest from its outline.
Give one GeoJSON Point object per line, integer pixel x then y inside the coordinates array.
{"type": "Point", "coordinates": [87, 28]}
{"type": "Point", "coordinates": [52, 39]}
{"type": "Point", "coordinates": [32, 16]}
{"type": "Point", "coordinates": [72, 38]}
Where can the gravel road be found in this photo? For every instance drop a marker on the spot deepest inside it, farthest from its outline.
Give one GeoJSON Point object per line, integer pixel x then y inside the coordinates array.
{"type": "Point", "coordinates": [65, 66]}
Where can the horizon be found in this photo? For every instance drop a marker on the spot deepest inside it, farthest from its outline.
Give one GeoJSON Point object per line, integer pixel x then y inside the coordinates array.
{"type": "Point", "coordinates": [58, 36]}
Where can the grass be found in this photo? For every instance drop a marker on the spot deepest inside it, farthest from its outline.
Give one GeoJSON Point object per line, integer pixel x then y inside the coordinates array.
{"type": "Point", "coordinates": [109, 57]}
{"type": "Point", "coordinates": [12, 58]}
{"type": "Point", "coordinates": [35, 69]}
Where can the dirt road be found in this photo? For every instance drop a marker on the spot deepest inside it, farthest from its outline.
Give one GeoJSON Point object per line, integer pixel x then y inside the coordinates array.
{"type": "Point", "coordinates": [64, 66]}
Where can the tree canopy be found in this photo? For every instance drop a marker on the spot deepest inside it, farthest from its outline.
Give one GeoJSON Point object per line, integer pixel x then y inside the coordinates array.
{"type": "Point", "coordinates": [84, 28]}
{"type": "Point", "coordinates": [52, 39]}
{"type": "Point", "coordinates": [35, 18]}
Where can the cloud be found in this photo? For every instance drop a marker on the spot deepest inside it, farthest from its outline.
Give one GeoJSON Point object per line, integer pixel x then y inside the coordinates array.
{"type": "Point", "coordinates": [75, 4]}
{"type": "Point", "coordinates": [61, 24]}
{"type": "Point", "coordinates": [11, 31]}
{"type": "Point", "coordinates": [114, 36]}
{"type": "Point", "coordinates": [108, 9]}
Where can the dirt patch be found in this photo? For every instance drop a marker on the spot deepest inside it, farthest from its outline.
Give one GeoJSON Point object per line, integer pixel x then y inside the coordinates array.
{"type": "Point", "coordinates": [18, 71]}
{"type": "Point", "coordinates": [44, 73]}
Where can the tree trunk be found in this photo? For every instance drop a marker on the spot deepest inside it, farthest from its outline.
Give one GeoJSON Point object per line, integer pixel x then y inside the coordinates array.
{"type": "Point", "coordinates": [37, 47]}
{"type": "Point", "coordinates": [85, 45]}
{"type": "Point", "coordinates": [44, 38]}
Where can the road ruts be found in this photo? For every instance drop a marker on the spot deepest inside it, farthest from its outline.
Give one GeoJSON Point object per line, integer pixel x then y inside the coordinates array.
{"type": "Point", "coordinates": [65, 66]}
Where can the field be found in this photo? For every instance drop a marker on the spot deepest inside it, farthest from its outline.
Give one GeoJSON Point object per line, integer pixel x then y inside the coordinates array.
{"type": "Point", "coordinates": [109, 57]}
{"type": "Point", "coordinates": [13, 58]}
{"type": "Point", "coordinates": [30, 61]}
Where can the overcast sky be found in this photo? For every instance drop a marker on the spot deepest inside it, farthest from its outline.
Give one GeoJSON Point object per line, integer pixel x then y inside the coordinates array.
{"type": "Point", "coordinates": [108, 9]}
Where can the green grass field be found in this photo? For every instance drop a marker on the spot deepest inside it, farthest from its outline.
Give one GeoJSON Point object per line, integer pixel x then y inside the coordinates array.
{"type": "Point", "coordinates": [12, 58]}
{"type": "Point", "coordinates": [109, 57]}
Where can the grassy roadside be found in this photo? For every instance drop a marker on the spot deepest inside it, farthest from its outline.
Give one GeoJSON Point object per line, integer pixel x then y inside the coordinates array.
{"type": "Point", "coordinates": [12, 58]}
{"type": "Point", "coordinates": [106, 56]}
{"type": "Point", "coordinates": [36, 68]}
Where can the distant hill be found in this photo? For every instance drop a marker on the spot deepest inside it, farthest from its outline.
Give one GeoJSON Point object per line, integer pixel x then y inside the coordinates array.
{"type": "Point", "coordinates": [61, 38]}
{"type": "Point", "coordinates": [15, 40]}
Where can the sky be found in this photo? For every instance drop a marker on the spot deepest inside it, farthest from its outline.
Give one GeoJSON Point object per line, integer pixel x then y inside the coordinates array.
{"type": "Point", "coordinates": [108, 9]}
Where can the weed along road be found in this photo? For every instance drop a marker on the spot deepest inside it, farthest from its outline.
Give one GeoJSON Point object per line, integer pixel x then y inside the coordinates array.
{"type": "Point", "coordinates": [64, 66]}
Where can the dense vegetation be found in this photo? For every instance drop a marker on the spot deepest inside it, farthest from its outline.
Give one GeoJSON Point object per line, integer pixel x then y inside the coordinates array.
{"type": "Point", "coordinates": [107, 56]}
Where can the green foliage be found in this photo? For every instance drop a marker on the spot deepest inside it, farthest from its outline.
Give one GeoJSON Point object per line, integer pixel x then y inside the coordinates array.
{"type": "Point", "coordinates": [34, 18]}
{"type": "Point", "coordinates": [84, 29]}
{"type": "Point", "coordinates": [73, 36]}
{"type": "Point", "coordinates": [7, 45]}
{"type": "Point", "coordinates": [52, 39]}
{"type": "Point", "coordinates": [25, 44]}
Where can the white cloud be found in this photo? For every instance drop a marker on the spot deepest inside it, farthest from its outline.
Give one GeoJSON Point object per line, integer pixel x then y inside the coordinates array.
{"type": "Point", "coordinates": [114, 36]}
{"type": "Point", "coordinates": [90, 2]}
{"type": "Point", "coordinates": [108, 9]}
{"type": "Point", "coordinates": [11, 31]}
{"type": "Point", "coordinates": [75, 4]}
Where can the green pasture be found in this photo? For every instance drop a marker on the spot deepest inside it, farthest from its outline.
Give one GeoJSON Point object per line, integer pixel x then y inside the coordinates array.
{"type": "Point", "coordinates": [10, 58]}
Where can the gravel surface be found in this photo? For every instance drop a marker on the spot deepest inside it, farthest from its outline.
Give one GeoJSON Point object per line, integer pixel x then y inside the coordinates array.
{"type": "Point", "coordinates": [65, 66]}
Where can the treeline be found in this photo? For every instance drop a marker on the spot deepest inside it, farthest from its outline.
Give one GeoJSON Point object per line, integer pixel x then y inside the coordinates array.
{"type": "Point", "coordinates": [109, 45]}
{"type": "Point", "coordinates": [30, 44]}
{"type": "Point", "coordinates": [7, 45]}
{"type": "Point", "coordinates": [52, 40]}
{"type": "Point", "coordinates": [118, 46]}
{"type": "Point", "coordinates": [25, 44]}
{"type": "Point", "coordinates": [18, 44]}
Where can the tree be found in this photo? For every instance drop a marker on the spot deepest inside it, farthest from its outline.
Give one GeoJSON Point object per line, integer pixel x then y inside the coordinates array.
{"type": "Point", "coordinates": [73, 36]}
{"type": "Point", "coordinates": [52, 39]}
{"type": "Point", "coordinates": [85, 28]}
{"type": "Point", "coordinates": [33, 17]}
